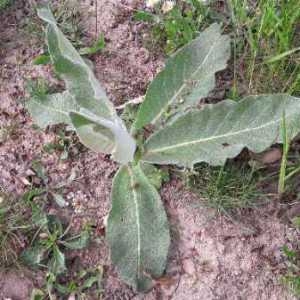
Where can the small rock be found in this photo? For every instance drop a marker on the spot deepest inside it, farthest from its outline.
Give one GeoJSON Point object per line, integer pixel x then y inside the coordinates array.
{"type": "Point", "coordinates": [189, 267]}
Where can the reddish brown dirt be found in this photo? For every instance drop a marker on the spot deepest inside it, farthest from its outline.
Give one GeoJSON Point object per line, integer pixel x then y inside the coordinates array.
{"type": "Point", "coordinates": [212, 257]}
{"type": "Point", "coordinates": [14, 286]}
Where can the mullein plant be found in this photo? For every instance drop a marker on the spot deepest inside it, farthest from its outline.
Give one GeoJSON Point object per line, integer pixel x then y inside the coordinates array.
{"type": "Point", "coordinates": [137, 229]}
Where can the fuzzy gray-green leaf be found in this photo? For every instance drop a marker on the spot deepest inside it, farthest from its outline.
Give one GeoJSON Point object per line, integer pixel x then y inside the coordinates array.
{"type": "Point", "coordinates": [221, 131]}
{"type": "Point", "coordinates": [189, 75]}
{"type": "Point", "coordinates": [79, 78]}
{"type": "Point", "coordinates": [52, 109]}
{"type": "Point", "coordinates": [137, 230]}
{"type": "Point", "coordinates": [108, 134]}
{"type": "Point", "coordinates": [102, 135]}
{"type": "Point", "coordinates": [33, 256]}
{"type": "Point", "coordinates": [94, 136]}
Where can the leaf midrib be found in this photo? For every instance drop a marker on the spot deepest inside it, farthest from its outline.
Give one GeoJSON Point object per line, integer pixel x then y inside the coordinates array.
{"type": "Point", "coordinates": [137, 216]}
{"type": "Point", "coordinates": [50, 107]}
{"type": "Point", "coordinates": [184, 85]}
{"type": "Point", "coordinates": [198, 141]}
{"type": "Point", "coordinates": [86, 68]}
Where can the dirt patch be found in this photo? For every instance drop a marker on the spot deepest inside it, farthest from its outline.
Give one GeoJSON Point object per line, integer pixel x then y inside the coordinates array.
{"type": "Point", "coordinates": [211, 257]}
{"type": "Point", "coordinates": [13, 286]}
{"type": "Point", "coordinates": [126, 67]}
{"type": "Point", "coordinates": [223, 258]}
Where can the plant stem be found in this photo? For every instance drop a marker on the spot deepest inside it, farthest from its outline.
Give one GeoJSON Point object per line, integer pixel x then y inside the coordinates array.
{"type": "Point", "coordinates": [282, 175]}
{"type": "Point", "coordinates": [292, 173]}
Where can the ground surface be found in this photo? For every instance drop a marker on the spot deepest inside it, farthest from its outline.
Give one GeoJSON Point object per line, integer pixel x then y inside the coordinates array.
{"type": "Point", "coordinates": [211, 257]}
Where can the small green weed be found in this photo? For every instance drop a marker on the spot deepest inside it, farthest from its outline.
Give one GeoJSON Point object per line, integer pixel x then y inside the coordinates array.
{"type": "Point", "coordinates": [16, 226]}
{"type": "Point", "coordinates": [4, 3]}
{"type": "Point", "coordinates": [70, 19]}
{"type": "Point", "coordinates": [174, 25]}
{"type": "Point", "coordinates": [49, 242]}
{"type": "Point", "coordinates": [29, 236]}
{"type": "Point", "coordinates": [225, 188]}
{"type": "Point", "coordinates": [38, 88]}
{"type": "Point", "coordinates": [82, 282]}
{"type": "Point", "coordinates": [98, 46]}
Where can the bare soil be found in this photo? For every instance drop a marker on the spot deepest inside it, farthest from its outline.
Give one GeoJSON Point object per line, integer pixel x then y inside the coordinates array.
{"type": "Point", "coordinates": [212, 257]}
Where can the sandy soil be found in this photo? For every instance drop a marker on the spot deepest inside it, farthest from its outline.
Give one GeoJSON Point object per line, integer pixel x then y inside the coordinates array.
{"type": "Point", "coordinates": [212, 257]}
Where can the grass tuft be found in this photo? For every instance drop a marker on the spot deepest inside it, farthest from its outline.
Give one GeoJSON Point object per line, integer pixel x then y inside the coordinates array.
{"type": "Point", "coordinates": [226, 188]}
{"type": "Point", "coordinates": [12, 227]}
{"type": "Point", "coordinates": [266, 54]}
{"type": "Point", "coordinates": [5, 3]}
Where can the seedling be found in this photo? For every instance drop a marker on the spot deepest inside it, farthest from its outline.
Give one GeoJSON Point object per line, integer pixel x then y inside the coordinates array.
{"type": "Point", "coordinates": [98, 46]}
{"type": "Point", "coordinates": [77, 287]}
{"type": "Point", "coordinates": [86, 280]}
{"type": "Point", "coordinates": [137, 231]}
{"type": "Point", "coordinates": [51, 238]}
{"type": "Point", "coordinates": [38, 88]}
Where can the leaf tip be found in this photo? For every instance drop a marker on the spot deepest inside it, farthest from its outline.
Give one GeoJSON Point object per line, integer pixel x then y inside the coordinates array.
{"type": "Point", "coordinates": [44, 13]}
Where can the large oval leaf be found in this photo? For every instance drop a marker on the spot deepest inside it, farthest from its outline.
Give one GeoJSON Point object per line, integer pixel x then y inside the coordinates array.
{"type": "Point", "coordinates": [188, 76]}
{"type": "Point", "coordinates": [79, 78]}
{"type": "Point", "coordinates": [221, 131]}
{"type": "Point", "coordinates": [137, 231]}
{"type": "Point", "coordinates": [84, 96]}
